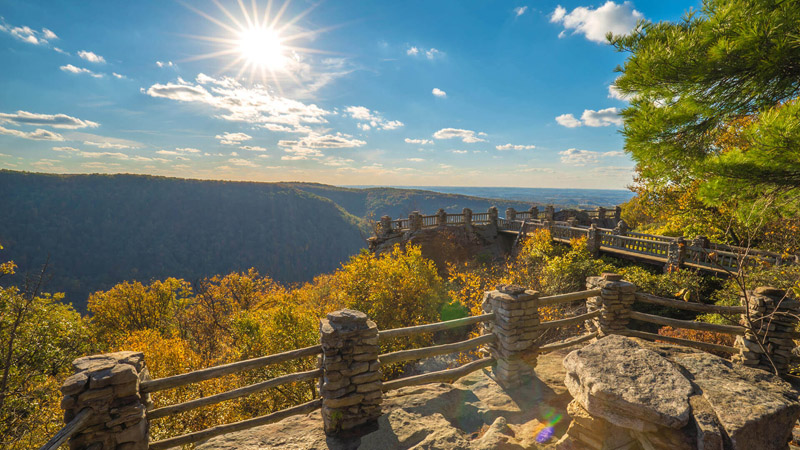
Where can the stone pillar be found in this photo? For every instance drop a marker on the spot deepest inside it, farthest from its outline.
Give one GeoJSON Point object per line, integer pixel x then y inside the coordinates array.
{"type": "Point", "coordinates": [511, 214]}
{"type": "Point", "coordinates": [701, 241]}
{"type": "Point", "coordinates": [415, 221]}
{"type": "Point", "coordinates": [601, 213]}
{"type": "Point", "coordinates": [351, 383]}
{"type": "Point", "coordinates": [109, 385]}
{"type": "Point", "coordinates": [675, 255]}
{"type": "Point", "coordinates": [774, 315]}
{"type": "Point", "coordinates": [621, 229]}
{"type": "Point", "coordinates": [593, 240]}
{"type": "Point", "coordinates": [467, 218]}
{"type": "Point", "coordinates": [615, 301]}
{"type": "Point", "coordinates": [534, 213]}
{"type": "Point", "coordinates": [515, 322]}
{"type": "Point", "coordinates": [386, 225]}
{"type": "Point", "coordinates": [493, 216]}
{"type": "Point", "coordinates": [441, 217]}
{"type": "Point", "coordinates": [549, 213]}
{"type": "Point", "coordinates": [617, 213]}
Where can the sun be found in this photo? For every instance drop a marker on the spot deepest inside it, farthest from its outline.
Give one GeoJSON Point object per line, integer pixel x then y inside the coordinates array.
{"type": "Point", "coordinates": [262, 48]}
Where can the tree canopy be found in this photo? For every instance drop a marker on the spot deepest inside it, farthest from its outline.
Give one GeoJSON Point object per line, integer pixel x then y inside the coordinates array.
{"type": "Point", "coordinates": [714, 103]}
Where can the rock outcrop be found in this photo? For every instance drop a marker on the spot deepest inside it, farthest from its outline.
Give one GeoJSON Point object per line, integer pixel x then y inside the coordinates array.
{"type": "Point", "coordinates": [663, 397]}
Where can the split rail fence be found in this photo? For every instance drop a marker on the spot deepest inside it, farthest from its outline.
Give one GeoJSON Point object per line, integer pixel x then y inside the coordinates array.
{"type": "Point", "coordinates": [349, 359]}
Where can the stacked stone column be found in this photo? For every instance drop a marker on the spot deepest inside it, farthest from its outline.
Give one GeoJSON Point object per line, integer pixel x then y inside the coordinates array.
{"type": "Point", "coordinates": [511, 214]}
{"type": "Point", "coordinates": [593, 240]}
{"type": "Point", "coordinates": [773, 314]}
{"type": "Point", "coordinates": [467, 218]}
{"type": "Point", "coordinates": [516, 318]}
{"type": "Point", "coordinates": [534, 213]}
{"type": "Point", "coordinates": [675, 255]}
{"type": "Point", "coordinates": [109, 386]}
{"type": "Point", "coordinates": [549, 213]}
{"type": "Point", "coordinates": [493, 216]}
{"type": "Point", "coordinates": [386, 225]}
{"type": "Point", "coordinates": [415, 221]}
{"type": "Point", "coordinates": [617, 213]}
{"type": "Point", "coordinates": [351, 384]}
{"type": "Point", "coordinates": [615, 303]}
{"type": "Point", "coordinates": [441, 217]}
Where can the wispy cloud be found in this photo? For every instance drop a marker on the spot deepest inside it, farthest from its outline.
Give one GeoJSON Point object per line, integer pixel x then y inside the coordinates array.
{"type": "Point", "coordinates": [253, 148]}
{"type": "Point", "coordinates": [467, 136]}
{"type": "Point", "coordinates": [310, 146]}
{"type": "Point", "coordinates": [576, 157]}
{"type": "Point", "coordinates": [418, 141]}
{"type": "Point", "coordinates": [80, 70]}
{"type": "Point", "coordinates": [514, 147]}
{"type": "Point", "coordinates": [51, 120]}
{"type": "Point", "coordinates": [233, 138]}
{"type": "Point", "coordinates": [520, 10]}
{"type": "Point", "coordinates": [371, 119]}
{"type": "Point", "coordinates": [91, 57]}
{"type": "Point", "coordinates": [28, 34]}
{"type": "Point", "coordinates": [595, 23]}
{"type": "Point", "coordinates": [164, 64]}
{"type": "Point", "coordinates": [431, 53]}
{"type": "Point", "coordinates": [36, 135]}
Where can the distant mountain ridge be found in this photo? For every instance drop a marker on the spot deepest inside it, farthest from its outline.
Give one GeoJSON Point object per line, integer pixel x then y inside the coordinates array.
{"type": "Point", "coordinates": [99, 230]}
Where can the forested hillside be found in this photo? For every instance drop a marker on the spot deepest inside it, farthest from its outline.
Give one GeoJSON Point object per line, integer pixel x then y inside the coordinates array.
{"type": "Point", "coordinates": [99, 230]}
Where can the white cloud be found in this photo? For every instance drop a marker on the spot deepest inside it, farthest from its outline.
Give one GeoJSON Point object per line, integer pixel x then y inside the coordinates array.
{"type": "Point", "coordinates": [80, 70]}
{"type": "Point", "coordinates": [164, 64]}
{"type": "Point", "coordinates": [371, 119]}
{"type": "Point", "coordinates": [536, 170]}
{"type": "Point", "coordinates": [91, 57]}
{"type": "Point", "coordinates": [255, 105]}
{"type": "Point", "coordinates": [467, 136]}
{"type": "Point", "coordinates": [592, 118]}
{"type": "Point", "coordinates": [51, 120]}
{"type": "Point", "coordinates": [431, 53]}
{"type": "Point", "coordinates": [460, 152]}
{"type": "Point", "coordinates": [595, 23]}
{"type": "Point", "coordinates": [106, 144]}
{"type": "Point", "coordinates": [242, 162]}
{"type": "Point", "coordinates": [335, 161]}
{"type": "Point", "coordinates": [179, 151]}
{"type": "Point", "coordinates": [28, 34]}
{"type": "Point", "coordinates": [439, 93]}
{"type": "Point", "coordinates": [575, 157]}
{"type": "Point", "coordinates": [116, 75]}
{"type": "Point", "coordinates": [601, 118]}
{"type": "Point", "coordinates": [66, 149]}
{"type": "Point", "coordinates": [253, 148]}
{"type": "Point", "coordinates": [515, 147]}
{"type": "Point", "coordinates": [412, 51]}
{"type": "Point", "coordinates": [520, 10]}
{"type": "Point", "coordinates": [418, 141]}
{"type": "Point", "coordinates": [568, 120]}
{"type": "Point", "coordinates": [233, 138]}
{"type": "Point", "coordinates": [415, 159]}
{"type": "Point", "coordinates": [615, 93]}
{"type": "Point", "coordinates": [36, 135]}
{"type": "Point", "coordinates": [308, 146]}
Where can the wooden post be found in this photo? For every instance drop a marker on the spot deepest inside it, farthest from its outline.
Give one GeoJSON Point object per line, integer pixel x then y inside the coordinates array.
{"type": "Point", "coordinates": [516, 318]}
{"type": "Point", "coordinates": [109, 386]}
{"type": "Point", "coordinates": [615, 303]}
{"type": "Point", "coordinates": [351, 386]}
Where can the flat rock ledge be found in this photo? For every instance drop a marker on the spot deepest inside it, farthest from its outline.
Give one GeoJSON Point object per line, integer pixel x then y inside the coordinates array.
{"type": "Point", "coordinates": [631, 395]}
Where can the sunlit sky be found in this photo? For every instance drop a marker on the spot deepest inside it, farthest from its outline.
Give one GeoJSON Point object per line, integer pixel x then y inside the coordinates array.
{"type": "Point", "coordinates": [449, 93]}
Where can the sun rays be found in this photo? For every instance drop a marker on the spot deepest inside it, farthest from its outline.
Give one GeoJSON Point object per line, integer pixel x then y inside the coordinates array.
{"type": "Point", "coordinates": [259, 45]}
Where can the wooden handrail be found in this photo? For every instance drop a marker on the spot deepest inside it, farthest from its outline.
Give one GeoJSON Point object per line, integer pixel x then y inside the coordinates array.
{"type": "Point", "coordinates": [690, 324]}
{"type": "Point", "coordinates": [444, 349]}
{"type": "Point", "coordinates": [697, 307]}
{"type": "Point", "coordinates": [226, 369]}
{"type": "Point", "coordinates": [567, 321]}
{"type": "Point", "coordinates": [71, 429]}
{"type": "Point", "coordinates": [432, 327]}
{"type": "Point", "coordinates": [235, 393]}
{"type": "Point", "coordinates": [566, 298]}
{"type": "Point", "coordinates": [687, 342]}
{"type": "Point", "coordinates": [441, 376]}
{"type": "Point", "coordinates": [236, 426]}
{"type": "Point", "coordinates": [567, 343]}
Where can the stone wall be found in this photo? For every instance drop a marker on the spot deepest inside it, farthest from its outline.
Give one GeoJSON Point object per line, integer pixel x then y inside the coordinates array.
{"type": "Point", "coordinates": [773, 314]}
{"type": "Point", "coordinates": [615, 303]}
{"type": "Point", "coordinates": [109, 385]}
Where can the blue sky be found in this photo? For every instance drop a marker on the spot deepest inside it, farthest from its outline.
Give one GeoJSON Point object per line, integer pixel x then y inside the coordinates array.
{"type": "Point", "coordinates": [467, 93]}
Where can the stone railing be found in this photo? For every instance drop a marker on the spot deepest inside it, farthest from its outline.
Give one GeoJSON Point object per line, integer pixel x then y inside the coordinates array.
{"type": "Point", "coordinates": [108, 403]}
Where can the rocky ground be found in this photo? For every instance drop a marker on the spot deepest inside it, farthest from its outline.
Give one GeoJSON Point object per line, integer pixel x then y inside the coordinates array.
{"type": "Point", "coordinates": [473, 413]}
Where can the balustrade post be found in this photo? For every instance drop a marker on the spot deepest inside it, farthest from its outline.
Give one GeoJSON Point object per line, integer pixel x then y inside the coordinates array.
{"type": "Point", "coordinates": [549, 213]}
{"type": "Point", "coordinates": [601, 213]}
{"type": "Point", "coordinates": [351, 386]}
{"type": "Point", "coordinates": [467, 218]}
{"type": "Point", "coordinates": [441, 217]}
{"type": "Point", "coordinates": [621, 229]}
{"type": "Point", "coordinates": [593, 240]}
{"type": "Point", "coordinates": [493, 216]}
{"type": "Point", "coordinates": [615, 303]}
{"type": "Point", "coordinates": [774, 315]}
{"type": "Point", "coordinates": [516, 318]}
{"type": "Point", "coordinates": [415, 221]}
{"type": "Point", "coordinates": [108, 385]}
{"type": "Point", "coordinates": [534, 213]}
{"type": "Point", "coordinates": [676, 253]}
{"type": "Point", "coordinates": [617, 213]}
{"type": "Point", "coordinates": [511, 214]}
{"type": "Point", "coordinates": [386, 225]}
